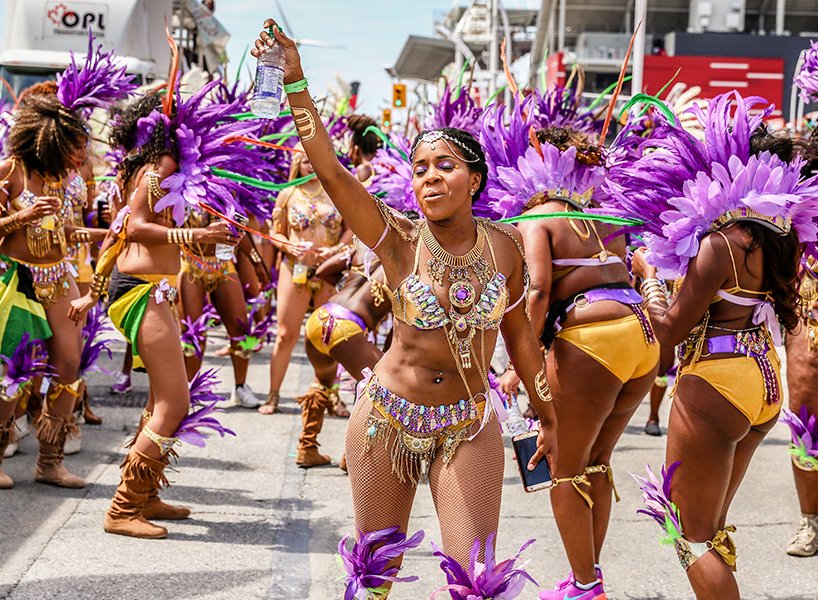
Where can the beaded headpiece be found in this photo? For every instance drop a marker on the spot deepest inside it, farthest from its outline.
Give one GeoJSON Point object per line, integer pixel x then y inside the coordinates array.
{"type": "Point", "coordinates": [432, 137]}
{"type": "Point", "coordinates": [779, 223]}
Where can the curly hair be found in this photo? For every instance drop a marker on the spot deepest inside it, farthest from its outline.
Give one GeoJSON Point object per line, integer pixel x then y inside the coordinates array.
{"type": "Point", "coordinates": [43, 88]}
{"type": "Point", "coordinates": [125, 121]}
{"type": "Point", "coordinates": [588, 153]}
{"type": "Point", "coordinates": [471, 149]}
{"type": "Point", "coordinates": [781, 253]}
{"type": "Point", "coordinates": [368, 143]}
{"type": "Point", "coordinates": [45, 134]}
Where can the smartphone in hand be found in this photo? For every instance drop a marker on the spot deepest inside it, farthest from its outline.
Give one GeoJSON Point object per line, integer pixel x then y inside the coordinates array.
{"type": "Point", "coordinates": [525, 446]}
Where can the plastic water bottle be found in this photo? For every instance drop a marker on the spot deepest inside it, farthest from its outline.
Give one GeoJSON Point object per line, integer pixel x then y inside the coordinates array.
{"type": "Point", "coordinates": [269, 88]}
{"type": "Point", "coordinates": [516, 422]}
{"type": "Point", "coordinates": [226, 251]}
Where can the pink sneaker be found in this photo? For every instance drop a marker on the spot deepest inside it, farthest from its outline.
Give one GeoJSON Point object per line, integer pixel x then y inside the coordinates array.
{"type": "Point", "coordinates": [122, 385]}
{"type": "Point", "coordinates": [572, 592]}
{"type": "Point", "coordinates": [570, 579]}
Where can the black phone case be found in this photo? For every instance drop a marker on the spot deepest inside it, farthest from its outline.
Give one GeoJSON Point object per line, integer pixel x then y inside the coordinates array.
{"type": "Point", "coordinates": [524, 450]}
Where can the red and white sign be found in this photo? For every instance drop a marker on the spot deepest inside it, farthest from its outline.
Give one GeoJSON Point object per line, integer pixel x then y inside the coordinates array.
{"type": "Point", "coordinates": [717, 75]}
{"type": "Point", "coordinates": [67, 18]}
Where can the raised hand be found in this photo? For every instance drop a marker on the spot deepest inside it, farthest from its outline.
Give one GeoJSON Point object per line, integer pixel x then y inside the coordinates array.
{"type": "Point", "coordinates": [292, 58]}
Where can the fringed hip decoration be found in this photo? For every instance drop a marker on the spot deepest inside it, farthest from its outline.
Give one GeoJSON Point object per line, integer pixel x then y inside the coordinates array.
{"type": "Point", "coordinates": [772, 392]}
{"type": "Point", "coordinates": [644, 321]}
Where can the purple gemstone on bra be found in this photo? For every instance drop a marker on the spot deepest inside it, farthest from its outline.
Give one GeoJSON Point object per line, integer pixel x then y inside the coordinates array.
{"type": "Point", "coordinates": [462, 294]}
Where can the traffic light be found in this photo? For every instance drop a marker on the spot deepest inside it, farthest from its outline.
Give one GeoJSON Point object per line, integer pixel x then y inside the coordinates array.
{"type": "Point", "coordinates": [399, 95]}
{"type": "Point", "coordinates": [386, 118]}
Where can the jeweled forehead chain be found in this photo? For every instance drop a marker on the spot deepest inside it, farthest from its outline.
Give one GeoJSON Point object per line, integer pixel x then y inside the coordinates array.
{"type": "Point", "coordinates": [432, 137]}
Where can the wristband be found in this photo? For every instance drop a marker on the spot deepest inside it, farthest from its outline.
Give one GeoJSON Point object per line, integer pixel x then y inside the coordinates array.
{"type": "Point", "coordinates": [296, 86]}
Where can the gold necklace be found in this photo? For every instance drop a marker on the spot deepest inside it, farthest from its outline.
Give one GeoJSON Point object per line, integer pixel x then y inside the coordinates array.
{"type": "Point", "coordinates": [307, 195]}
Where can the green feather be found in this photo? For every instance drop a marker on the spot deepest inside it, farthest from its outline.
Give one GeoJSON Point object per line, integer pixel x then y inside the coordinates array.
{"type": "Point", "coordinates": [259, 183]}
{"type": "Point", "coordinates": [605, 92]}
{"type": "Point", "coordinates": [652, 101]}
{"type": "Point", "coordinates": [574, 215]}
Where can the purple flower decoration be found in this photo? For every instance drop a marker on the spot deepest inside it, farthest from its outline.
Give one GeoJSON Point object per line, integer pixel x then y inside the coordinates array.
{"type": "Point", "coordinates": [28, 361]}
{"type": "Point", "coordinates": [202, 388]}
{"type": "Point", "coordinates": [94, 344]}
{"type": "Point", "coordinates": [367, 568]}
{"type": "Point", "coordinates": [98, 83]}
{"type": "Point", "coordinates": [164, 291]}
{"type": "Point", "coordinates": [804, 432]}
{"type": "Point", "coordinates": [483, 581]}
{"type": "Point", "coordinates": [658, 505]}
{"type": "Point", "coordinates": [807, 78]}
{"type": "Point", "coordinates": [119, 220]}
{"type": "Point", "coordinates": [256, 333]}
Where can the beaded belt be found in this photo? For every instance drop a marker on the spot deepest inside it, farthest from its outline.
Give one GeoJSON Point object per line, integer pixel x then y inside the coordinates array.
{"type": "Point", "coordinates": [413, 432]}
{"type": "Point", "coordinates": [51, 281]}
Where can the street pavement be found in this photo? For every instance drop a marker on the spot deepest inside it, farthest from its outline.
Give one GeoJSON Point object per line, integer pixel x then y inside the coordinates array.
{"type": "Point", "coordinates": [263, 528]}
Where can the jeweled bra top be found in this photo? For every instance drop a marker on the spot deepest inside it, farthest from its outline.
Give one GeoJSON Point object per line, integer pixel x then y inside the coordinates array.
{"type": "Point", "coordinates": [415, 303]}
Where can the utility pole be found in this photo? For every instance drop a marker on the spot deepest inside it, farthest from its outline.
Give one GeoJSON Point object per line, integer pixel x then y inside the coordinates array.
{"type": "Point", "coordinates": [640, 13]}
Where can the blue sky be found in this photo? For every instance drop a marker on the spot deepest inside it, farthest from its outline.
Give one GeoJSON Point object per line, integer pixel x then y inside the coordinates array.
{"type": "Point", "coordinates": [372, 31]}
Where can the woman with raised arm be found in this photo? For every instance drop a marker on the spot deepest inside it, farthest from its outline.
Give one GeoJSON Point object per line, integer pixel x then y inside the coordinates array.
{"type": "Point", "coordinates": [427, 411]}
{"type": "Point", "coordinates": [727, 214]}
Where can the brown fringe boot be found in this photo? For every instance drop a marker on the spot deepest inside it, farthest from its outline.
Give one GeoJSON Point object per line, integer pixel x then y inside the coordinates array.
{"type": "Point", "coordinates": [52, 430]}
{"type": "Point", "coordinates": [313, 405]}
{"type": "Point", "coordinates": [155, 509]}
{"type": "Point", "coordinates": [6, 431]}
{"type": "Point", "coordinates": [140, 475]}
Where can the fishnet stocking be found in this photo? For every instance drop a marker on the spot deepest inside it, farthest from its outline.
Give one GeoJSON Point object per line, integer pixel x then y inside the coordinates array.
{"type": "Point", "coordinates": [466, 492]}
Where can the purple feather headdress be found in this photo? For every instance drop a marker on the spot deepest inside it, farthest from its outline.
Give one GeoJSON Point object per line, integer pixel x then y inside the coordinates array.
{"type": "Point", "coordinates": [392, 179]}
{"type": "Point", "coordinates": [95, 341]}
{"type": "Point", "coordinates": [488, 580]}
{"type": "Point", "coordinates": [6, 121]}
{"type": "Point", "coordinates": [456, 109]}
{"type": "Point", "coordinates": [807, 78]}
{"type": "Point", "coordinates": [194, 331]}
{"type": "Point", "coordinates": [98, 83]}
{"type": "Point", "coordinates": [202, 134]}
{"type": "Point", "coordinates": [28, 362]}
{"type": "Point", "coordinates": [804, 443]}
{"type": "Point", "coordinates": [658, 505]}
{"type": "Point", "coordinates": [561, 107]}
{"type": "Point", "coordinates": [683, 188]}
{"type": "Point", "coordinates": [367, 568]}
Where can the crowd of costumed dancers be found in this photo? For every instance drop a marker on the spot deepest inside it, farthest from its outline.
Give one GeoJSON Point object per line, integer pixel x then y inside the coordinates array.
{"type": "Point", "coordinates": [483, 251]}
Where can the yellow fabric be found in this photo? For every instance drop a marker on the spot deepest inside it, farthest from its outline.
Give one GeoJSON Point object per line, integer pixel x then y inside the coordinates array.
{"type": "Point", "coordinates": [740, 381]}
{"type": "Point", "coordinates": [618, 345]}
{"type": "Point", "coordinates": [609, 472]}
{"type": "Point", "coordinates": [85, 272]}
{"type": "Point", "coordinates": [576, 481]}
{"type": "Point", "coordinates": [342, 330]}
{"type": "Point", "coordinates": [107, 259]}
{"type": "Point", "coordinates": [118, 311]}
{"type": "Point", "coordinates": [207, 269]}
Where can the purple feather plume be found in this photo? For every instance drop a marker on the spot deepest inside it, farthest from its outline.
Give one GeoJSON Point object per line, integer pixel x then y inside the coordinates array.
{"type": "Point", "coordinates": [456, 109]}
{"type": "Point", "coordinates": [6, 121]}
{"type": "Point", "coordinates": [95, 341]}
{"type": "Point", "coordinates": [194, 331]}
{"type": "Point", "coordinates": [256, 333]}
{"type": "Point", "coordinates": [195, 427]}
{"type": "Point", "coordinates": [203, 388]}
{"type": "Point", "coordinates": [28, 361]}
{"type": "Point", "coordinates": [804, 432]}
{"type": "Point", "coordinates": [658, 505]}
{"type": "Point", "coordinates": [807, 78]}
{"type": "Point", "coordinates": [561, 107]}
{"type": "Point", "coordinates": [98, 83]}
{"type": "Point", "coordinates": [367, 568]}
{"type": "Point", "coordinates": [488, 580]}
{"type": "Point", "coordinates": [392, 180]}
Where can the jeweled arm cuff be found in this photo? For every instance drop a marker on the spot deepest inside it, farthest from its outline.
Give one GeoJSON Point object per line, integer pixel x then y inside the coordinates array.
{"type": "Point", "coordinates": [180, 236]}
{"type": "Point", "coordinates": [255, 257]}
{"type": "Point", "coordinates": [80, 236]}
{"type": "Point", "coordinates": [99, 285]}
{"type": "Point", "coordinates": [9, 224]}
{"type": "Point", "coordinates": [654, 291]}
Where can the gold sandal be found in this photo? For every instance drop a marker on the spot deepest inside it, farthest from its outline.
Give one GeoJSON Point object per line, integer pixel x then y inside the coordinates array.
{"type": "Point", "coordinates": [270, 406]}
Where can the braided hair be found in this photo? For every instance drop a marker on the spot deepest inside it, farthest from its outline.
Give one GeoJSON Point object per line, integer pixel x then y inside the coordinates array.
{"type": "Point", "coordinates": [588, 153]}
{"type": "Point", "coordinates": [469, 147]}
{"type": "Point", "coordinates": [124, 131]}
{"type": "Point", "coordinates": [45, 134]}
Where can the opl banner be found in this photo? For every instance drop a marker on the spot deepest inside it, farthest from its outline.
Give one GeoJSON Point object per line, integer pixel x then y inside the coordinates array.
{"type": "Point", "coordinates": [69, 18]}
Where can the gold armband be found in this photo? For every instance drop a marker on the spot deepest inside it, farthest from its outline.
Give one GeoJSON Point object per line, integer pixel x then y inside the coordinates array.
{"type": "Point", "coordinates": [180, 236]}
{"type": "Point", "coordinates": [653, 291]}
{"type": "Point", "coordinates": [542, 387]}
{"type": "Point", "coordinates": [9, 224]}
{"type": "Point", "coordinates": [304, 123]}
{"type": "Point", "coordinates": [80, 236]}
{"type": "Point", "coordinates": [255, 257]}
{"type": "Point", "coordinates": [99, 285]}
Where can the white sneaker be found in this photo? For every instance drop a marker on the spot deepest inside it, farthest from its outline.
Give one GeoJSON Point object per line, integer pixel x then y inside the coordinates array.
{"type": "Point", "coordinates": [243, 396]}
{"type": "Point", "coordinates": [805, 542]}
{"type": "Point", "coordinates": [22, 430]}
{"type": "Point", "coordinates": [73, 443]}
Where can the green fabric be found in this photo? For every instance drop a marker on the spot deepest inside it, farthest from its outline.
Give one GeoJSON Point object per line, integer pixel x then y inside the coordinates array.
{"type": "Point", "coordinates": [20, 312]}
